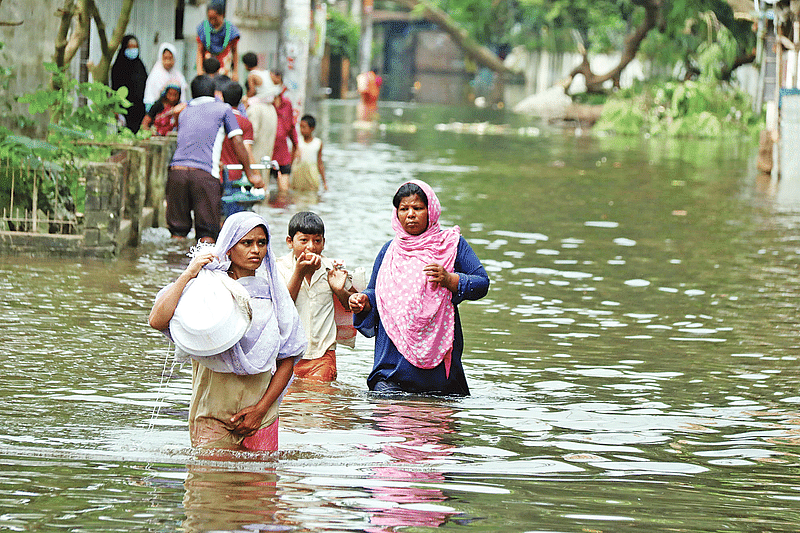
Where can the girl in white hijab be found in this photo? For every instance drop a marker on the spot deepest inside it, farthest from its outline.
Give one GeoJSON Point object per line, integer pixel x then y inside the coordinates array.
{"type": "Point", "coordinates": [162, 74]}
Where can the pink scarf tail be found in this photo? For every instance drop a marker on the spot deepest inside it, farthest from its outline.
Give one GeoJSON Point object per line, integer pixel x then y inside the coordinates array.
{"type": "Point", "coordinates": [418, 316]}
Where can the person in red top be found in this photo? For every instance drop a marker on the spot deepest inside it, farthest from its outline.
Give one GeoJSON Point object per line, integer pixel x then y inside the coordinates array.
{"type": "Point", "coordinates": [232, 94]}
{"type": "Point", "coordinates": [286, 131]}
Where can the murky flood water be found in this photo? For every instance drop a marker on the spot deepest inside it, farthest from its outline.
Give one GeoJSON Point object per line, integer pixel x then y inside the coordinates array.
{"type": "Point", "coordinates": [634, 366]}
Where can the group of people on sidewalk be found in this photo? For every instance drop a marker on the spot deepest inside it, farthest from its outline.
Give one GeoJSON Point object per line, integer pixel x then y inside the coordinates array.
{"type": "Point", "coordinates": [261, 119]}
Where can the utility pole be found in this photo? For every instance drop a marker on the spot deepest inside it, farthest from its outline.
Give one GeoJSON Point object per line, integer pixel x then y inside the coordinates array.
{"type": "Point", "coordinates": [295, 38]}
{"type": "Point", "coordinates": [365, 43]}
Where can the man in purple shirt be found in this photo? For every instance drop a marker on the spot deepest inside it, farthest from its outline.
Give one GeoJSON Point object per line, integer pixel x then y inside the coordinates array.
{"type": "Point", "coordinates": [191, 186]}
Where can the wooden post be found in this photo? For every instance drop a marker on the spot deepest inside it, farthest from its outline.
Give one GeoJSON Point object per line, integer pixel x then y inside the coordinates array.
{"type": "Point", "coordinates": [778, 83]}
{"type": "Point", "coordinates": [13, 176]}
{"type": "Point", "coordinates": [35, 203]}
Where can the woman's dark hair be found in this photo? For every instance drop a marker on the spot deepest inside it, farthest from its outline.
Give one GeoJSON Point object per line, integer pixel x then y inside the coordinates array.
{"type": "Point", "coordinates": [266, 232]}
{"type": "Point", "coordinates": [306, 222]}
{"type": "Point", "coordinates": [409, 189]}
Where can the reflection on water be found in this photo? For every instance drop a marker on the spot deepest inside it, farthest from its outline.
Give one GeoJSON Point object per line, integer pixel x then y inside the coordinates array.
{"type": "Point", "coordinates": [633, 367]}
{"type": "Point", "coordinates": [218, 499]}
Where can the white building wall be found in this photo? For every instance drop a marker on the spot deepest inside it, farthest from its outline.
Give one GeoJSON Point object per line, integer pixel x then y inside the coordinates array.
{"type": "Point", "coordinates": [152, 22]}
{"type": "Point", "coordinates": [258, 22]}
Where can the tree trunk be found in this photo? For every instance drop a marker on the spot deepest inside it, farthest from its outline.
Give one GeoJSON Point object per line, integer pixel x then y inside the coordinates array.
{"type": "Point", "coordinates": [109, 46]}
{"type": "Point", "coordinates": [62, 35]}
{"type": "Point", "coordinates": [480, 54]}
{"type": "Point", "coordinates": [84, 11]}
{"type": "Point", "coordinates": [68, 45]}
{"type": "Point", "coordinates": [594, 82]}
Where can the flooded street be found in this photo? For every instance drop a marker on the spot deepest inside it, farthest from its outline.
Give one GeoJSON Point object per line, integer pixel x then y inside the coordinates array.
{"type": "Point", "coordinates": [634, 366]}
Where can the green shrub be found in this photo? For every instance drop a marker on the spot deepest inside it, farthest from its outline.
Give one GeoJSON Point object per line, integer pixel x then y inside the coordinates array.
{"type": "Point", "coordinates": [688, 109]}
{"type": "Point", "coordinates": [55, 161]}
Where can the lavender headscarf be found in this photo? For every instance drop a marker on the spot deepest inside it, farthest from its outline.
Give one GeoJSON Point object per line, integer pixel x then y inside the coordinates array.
{"type": "Point", "coordinates": [275, 332]}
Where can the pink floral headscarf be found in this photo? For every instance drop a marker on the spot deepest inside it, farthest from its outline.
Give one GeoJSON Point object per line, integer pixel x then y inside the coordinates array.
{"type": "Point", "coordinates": [417, 314]}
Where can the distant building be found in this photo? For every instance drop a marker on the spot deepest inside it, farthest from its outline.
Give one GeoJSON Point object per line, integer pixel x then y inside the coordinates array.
{"type": "Point", "coordinates": [419, 62]}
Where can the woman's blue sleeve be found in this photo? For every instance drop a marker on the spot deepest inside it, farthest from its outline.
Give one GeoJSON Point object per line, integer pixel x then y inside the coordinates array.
{"type": "Point", "coordinates": [473, 281]}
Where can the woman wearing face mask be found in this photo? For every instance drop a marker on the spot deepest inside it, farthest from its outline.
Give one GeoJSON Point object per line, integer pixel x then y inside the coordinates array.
{"type": "Point", "coordinates": [129, 71]}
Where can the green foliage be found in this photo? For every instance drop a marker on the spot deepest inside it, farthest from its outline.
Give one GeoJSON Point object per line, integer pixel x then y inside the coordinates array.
{"type": "Point", "coordinates": [342, 35]}
{"type": "Point", "coordinates": [95, 120]}
{"type": "Point", "coordinates": [689, 109]}
{"type": "Point", "coordinates": [621, 116]}
{"type": "Point", "coordinates": [702, 34]}
{"type": "Point", "coordinates": [491, 24]}
{"type": "Point", "coordinates": [56, 159]}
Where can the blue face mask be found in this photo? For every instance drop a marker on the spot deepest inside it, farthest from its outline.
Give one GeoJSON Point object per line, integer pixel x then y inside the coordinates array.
{"type": "Point", "coordinates": [131, 53]}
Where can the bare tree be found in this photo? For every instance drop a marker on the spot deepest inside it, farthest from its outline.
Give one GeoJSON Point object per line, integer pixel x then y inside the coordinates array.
{"type": "Point", "coordinates": [594, 82]}
{"type": "Point", "coordinates": [76, 17]}
{"type": "Point", "coordinates": [478, 53]}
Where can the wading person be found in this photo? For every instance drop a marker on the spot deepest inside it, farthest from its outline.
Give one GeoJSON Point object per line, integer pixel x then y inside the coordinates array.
{"type": "Point", "coordinates": [308, 168]}
{"type": "Point", "coordinates": [236, 391]}
{"type": "Point", "coordinates": [261, 110]}
{"type": "Point", "coordinates": [285, 132]}
{"type": "Point", "coordinates": [418, 279]}
{"type": "Point", "coordinates": [314, 282]}
{"type": "Point", "coordinates": [191, 186]}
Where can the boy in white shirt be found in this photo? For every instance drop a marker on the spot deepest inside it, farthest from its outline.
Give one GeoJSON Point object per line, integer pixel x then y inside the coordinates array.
{"type": "Point", "coordinates": [314, 281]}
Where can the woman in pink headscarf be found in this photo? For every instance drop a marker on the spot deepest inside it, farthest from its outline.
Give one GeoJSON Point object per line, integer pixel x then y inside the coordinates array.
{"type": "Point", "coordinates": [410, 303]}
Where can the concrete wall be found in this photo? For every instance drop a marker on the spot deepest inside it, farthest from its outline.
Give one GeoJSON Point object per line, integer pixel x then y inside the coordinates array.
{"type": "Point", "coordinates": [124, 195]}
{"type": "Point", "coordinates": [26, 47]}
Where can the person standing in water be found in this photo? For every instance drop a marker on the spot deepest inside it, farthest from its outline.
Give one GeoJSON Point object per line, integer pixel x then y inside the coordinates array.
{"type": "Point", "coordinates": [308, 168]}
{"type": "Point", "coordinates": [315, 284]}
{"type": "Point", "coordinates": [409, 306]}
{"type": "Point", "coordinates": [192, 188]}
{"type": "Point", "coordinates": [236, 393]}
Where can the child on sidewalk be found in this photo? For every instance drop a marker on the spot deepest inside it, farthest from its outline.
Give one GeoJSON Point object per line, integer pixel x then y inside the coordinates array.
{"type": "Point", "coordinates": [314, 281]}
{"type": "Point", "coordinates": [308, 168]}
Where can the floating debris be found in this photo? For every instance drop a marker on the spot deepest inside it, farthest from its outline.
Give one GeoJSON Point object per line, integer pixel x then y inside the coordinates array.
{"type": "Point", "coordinates": [485, 128]}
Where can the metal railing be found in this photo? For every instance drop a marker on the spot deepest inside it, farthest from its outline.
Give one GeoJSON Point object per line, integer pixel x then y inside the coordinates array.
{"type": "Point", "coordinates": [27, 218]}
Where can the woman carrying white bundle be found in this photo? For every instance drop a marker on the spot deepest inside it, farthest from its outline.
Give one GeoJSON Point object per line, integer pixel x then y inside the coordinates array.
{"type": "Point", "coordinates": [236, 389]}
